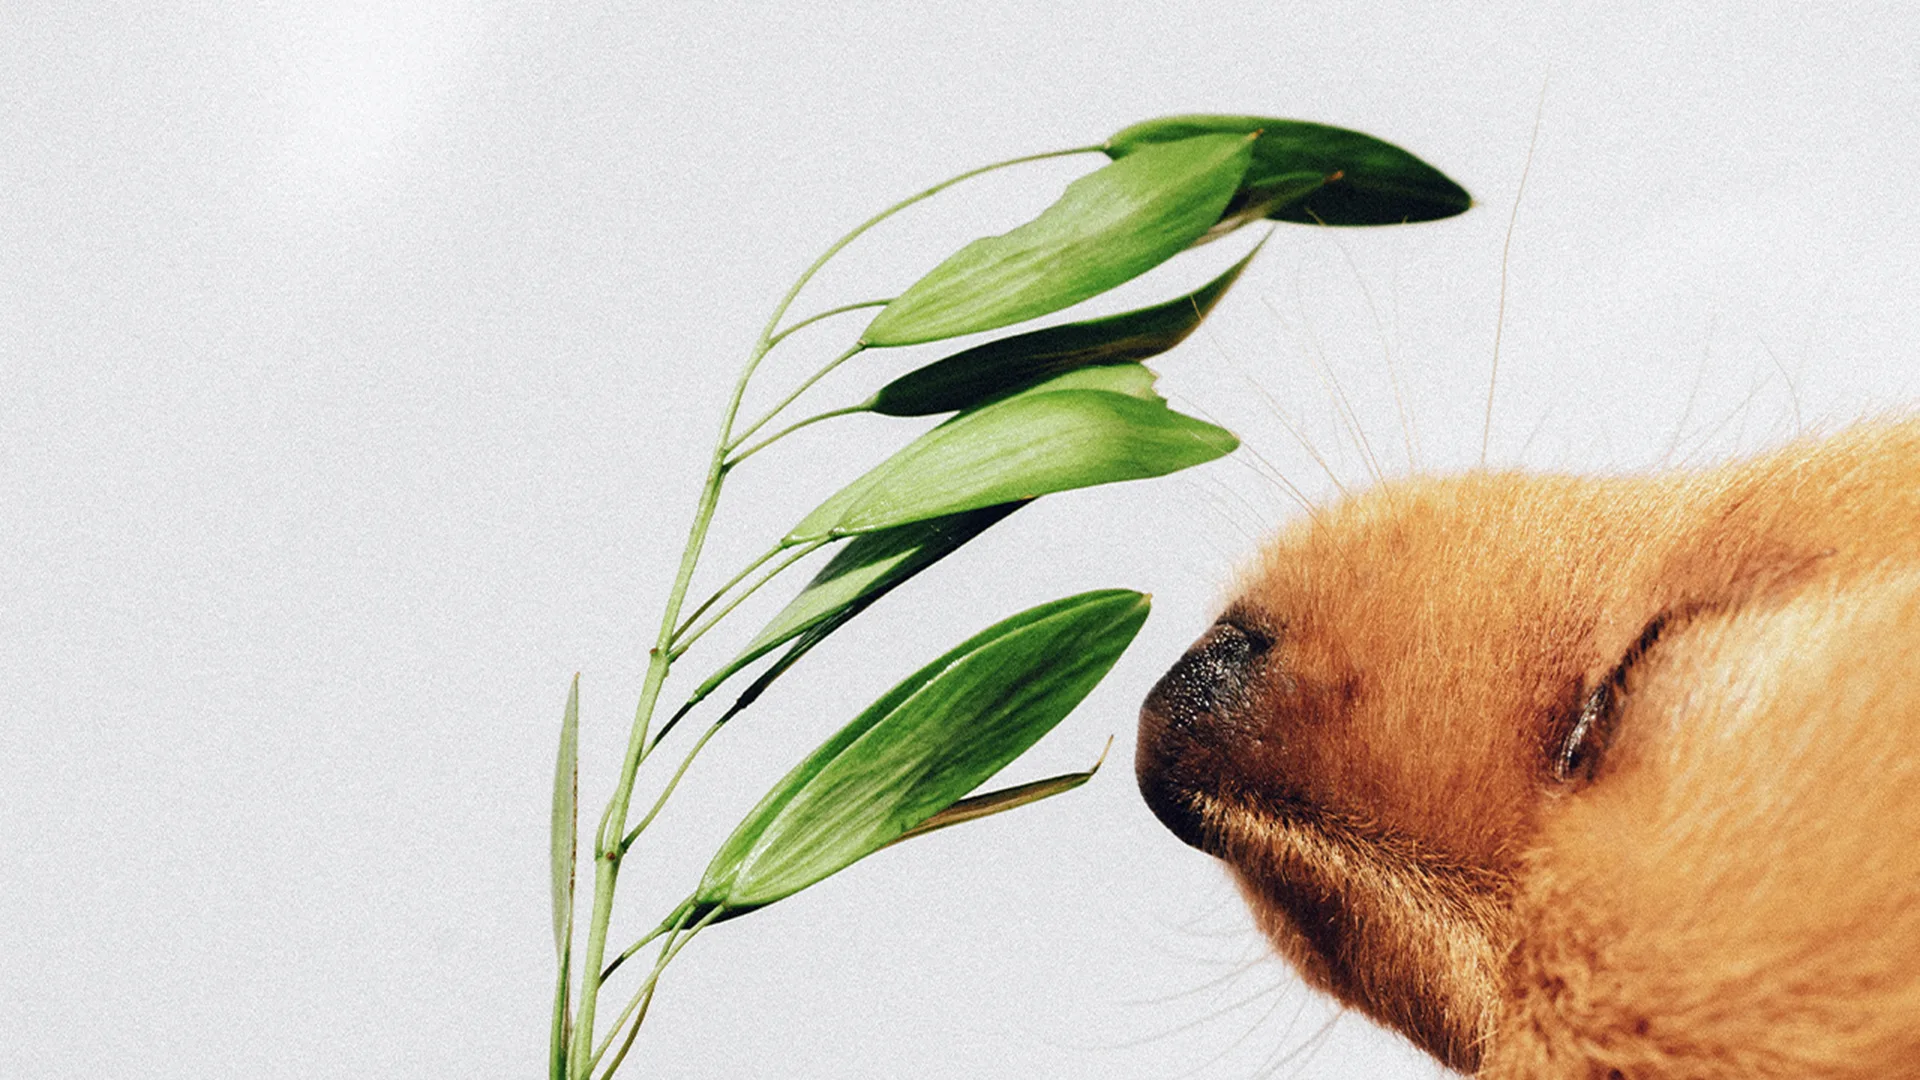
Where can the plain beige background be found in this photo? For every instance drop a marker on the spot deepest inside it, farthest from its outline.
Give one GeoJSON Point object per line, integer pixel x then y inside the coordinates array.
{"type": "Point", "coordinates": [356, 366]}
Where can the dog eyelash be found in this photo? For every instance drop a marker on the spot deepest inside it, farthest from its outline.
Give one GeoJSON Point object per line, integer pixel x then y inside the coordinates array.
{"type": "Point", "coordinates": [1586, 741]}
{"type": "Point", "coordinates": [1580, 752]}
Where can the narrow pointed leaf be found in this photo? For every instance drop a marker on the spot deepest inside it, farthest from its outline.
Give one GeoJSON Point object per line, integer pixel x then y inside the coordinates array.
{"type": "Point", "coordinates": [1110, 226]}
{"type": "Point", "coordinates": [921, 747]}
{"type": "Point", "coordinates": [859, 574]}
{"type": "Point", "coordinates": [1255, 202]}
{"type": "Point", "coordinates": [993, 370]}
{"type": "Point", "coordinates": [564, 851]}
{"type": "Point", "coordinates": [566, 781]}
{"type": "Point", "coordinates": [1043, 440]}
{"type": "Point", "coordinates": [975, 807]}
{"type": "Point", "coordinates": [1366, 181]}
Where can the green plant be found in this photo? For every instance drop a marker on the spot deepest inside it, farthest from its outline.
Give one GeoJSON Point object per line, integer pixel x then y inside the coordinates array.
{"type": "Point", "coordinates": [1033, 414]}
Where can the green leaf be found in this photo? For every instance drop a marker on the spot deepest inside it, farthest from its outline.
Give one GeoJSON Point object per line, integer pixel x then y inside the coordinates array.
{"type": "Point", "coordinates": [564, 852]}
{"type": "Point", "coordinates": [1254, 202]}
{"type": "Point", "coordinates": [1110, 226]}
{"type": "Point", "coordinates": [1045, 439]}
{"type": "Point", "coordinates": [1364, 181]}
{"type": "Point", "coordinates": [975, 807]}
{"type": "Point", "coordinates": [921, 747]}
{"type": "Point", "coordinates": [859, 574]}
{"type": "Point", "coordinates": [1132, 379]}
{"type": "Point", "coordinates": [562, 1023]}
{"type": "Point", "coordinates": [566, 785]}
{"type": "Point", "coordinates": [993, 370]}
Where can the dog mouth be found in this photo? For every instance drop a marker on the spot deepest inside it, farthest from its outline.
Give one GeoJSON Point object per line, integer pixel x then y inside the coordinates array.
{"type": "Point", "coordinates": [1378, 918]}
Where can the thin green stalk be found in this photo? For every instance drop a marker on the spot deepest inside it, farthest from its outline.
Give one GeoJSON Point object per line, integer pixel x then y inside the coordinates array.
{"type": "Point", "coordinates": [856, 349]}
{"type": "Point", "coordinates": [606, 861]}
{"type": "Point", "coordinates": [659, 964]}
{"type": "Point", "coordinates": [793, 427]}
{"type": "Point", "coordinates": [693, 752]}
{"type": "Point", "coordinates": [780, 312]}
{"type": "Point", "coordinates": [722, 591]}
{"type": "Point", "coordinates": [613, 823]}
{"type": "Point", "coordinates": [827, 314]}
{"type": "Point", "coordinates": [767, 337]}
{"type": "Point", "coordinates": [685, 639]}
{"type": "Point", "coordinates": [675, 920]}
{"type": "Point", "coordinates": [667, 728]}
{"type": "Point", "coordinates": [645, 997]}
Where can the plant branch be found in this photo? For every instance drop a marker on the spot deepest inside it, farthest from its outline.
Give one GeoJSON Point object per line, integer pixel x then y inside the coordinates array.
{"type": "Point", "coordinates": [613, 823]}
{"type": "Point", "coordinates": [643, 998]}
{"type": "Point", "coordinates": [768, 336]}
{"type": "Point", "coordinates": [829, 313]}
{"type": "Point", "coordinates": [606, 857]}
{"type": "Point", "coordinates": [854, 350]}
{"type": "Point", "coordinates": [686, 639]}
{"type": "Point", "coordinates": [675, 920]}
{"type": "Point", "coordinates": [793, 427]}
{"type": "Point", "coordinates": [780, 312]}
{"type": "Point", "coordinates": [688, 622]}
{"type": "Point", "coordinates": [673, 782]}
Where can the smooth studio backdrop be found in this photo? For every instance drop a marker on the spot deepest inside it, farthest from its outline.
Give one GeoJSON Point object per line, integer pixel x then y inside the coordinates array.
{"type": "Point", "coordinates": [358, 364]}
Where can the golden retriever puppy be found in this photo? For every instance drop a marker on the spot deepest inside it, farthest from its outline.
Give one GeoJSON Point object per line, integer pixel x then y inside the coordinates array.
{"type": "Point", "coordinates": [1568, 777]}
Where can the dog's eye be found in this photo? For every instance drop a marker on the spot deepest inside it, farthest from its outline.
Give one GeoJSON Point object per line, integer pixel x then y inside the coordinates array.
{"type": "Point", "coordinates": [1580, 754]}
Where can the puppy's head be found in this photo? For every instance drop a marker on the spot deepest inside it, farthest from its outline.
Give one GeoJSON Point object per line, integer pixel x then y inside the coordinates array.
{"type": "Point", "coordinates": [1366, 733]}
{"type": "Point", "coordinates": [1406, 682]}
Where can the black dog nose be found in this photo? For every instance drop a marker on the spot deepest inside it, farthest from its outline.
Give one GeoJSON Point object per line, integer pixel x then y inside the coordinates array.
{"type": "Point", "coordinates": [1187, 720]}
{"type": "Point", "coordinates": [1213, 673]}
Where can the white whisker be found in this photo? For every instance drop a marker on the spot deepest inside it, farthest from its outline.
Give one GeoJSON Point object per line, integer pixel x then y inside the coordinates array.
{"type": "Point", "coordinates": [1693, 395]}
{"type": "Point", "coordinates": [1386, 353]}
{"type": "Point", "coordinates": [1506, 250]}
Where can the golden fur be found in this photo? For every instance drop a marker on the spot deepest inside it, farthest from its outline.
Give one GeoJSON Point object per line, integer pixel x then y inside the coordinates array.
{"type": "Point", "coordinates": [1583, 778]}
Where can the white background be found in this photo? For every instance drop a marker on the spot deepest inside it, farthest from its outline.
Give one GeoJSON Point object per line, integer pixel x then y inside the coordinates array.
{"type": "Point", "coordinates": [357, 367]}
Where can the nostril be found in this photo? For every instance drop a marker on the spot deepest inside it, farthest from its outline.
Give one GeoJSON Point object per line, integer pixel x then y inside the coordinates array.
{"type": "Point", "coordinates": [1188, 721]}
{"type": "Point", "coordinates": [1212, 674]}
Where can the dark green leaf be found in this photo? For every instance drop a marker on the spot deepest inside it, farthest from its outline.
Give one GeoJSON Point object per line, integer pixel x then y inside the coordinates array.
{"type": "Point", "coordinates": [1259, 201]}
{"type": "Point", "coordinates": [1110, 226]}
{"type": "Point", "coordinates": [921, 747]}
{"type": "Point", "coordinates": [990, 371]}
{"type": "Point", "coordinates": [1364, 181]}
{"type": "Point", "coordinates": [858, 575]}
{"type": "Point", "coordinates": [1042, 440]}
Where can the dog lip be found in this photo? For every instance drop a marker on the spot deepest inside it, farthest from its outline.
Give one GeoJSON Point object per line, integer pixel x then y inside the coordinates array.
{"type": "Point", "coordinates": [1187, 718]}
{"type": "Point", "coordinates": [1172, 801]}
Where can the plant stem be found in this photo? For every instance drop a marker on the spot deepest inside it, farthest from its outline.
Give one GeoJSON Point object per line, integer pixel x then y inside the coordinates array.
{"type": "Point", "coordinates": [606, 860]}
{"type": "Point", "coordinates": [829, 313]}
{"type": "Point", "coordinates": [628, 955]}
{"type": "Point", "coordinates": [756, 564]}
{"type": "Point", "coordinates": [685, 639]}
{"type": "Point", "coordinates": [780, 312]}
{"type": "Point", "coordinates": [659, 964]}
{"type": "Point", "coordinates": [643, 998]}
{"type": "Point", "coordinates": [673, 782]}
{"type": "Point", "coordinates": [856, 349]}
{"type": "Point", "coordinates": [607, 856]}
{"type": "Point", "coordinates": [793, 427]}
